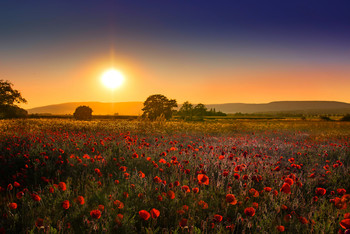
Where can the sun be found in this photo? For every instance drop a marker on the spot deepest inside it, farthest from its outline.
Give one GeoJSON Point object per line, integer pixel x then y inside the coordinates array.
{"type": "Point", "coordinates": [112, 78]}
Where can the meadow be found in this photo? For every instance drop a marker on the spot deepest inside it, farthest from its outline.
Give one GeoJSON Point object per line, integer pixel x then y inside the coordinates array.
{"type": "Point", "coordinates": [132, 176]}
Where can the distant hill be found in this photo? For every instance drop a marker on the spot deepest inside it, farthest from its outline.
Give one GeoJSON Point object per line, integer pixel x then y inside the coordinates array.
{"type": "Point", "coordinates": [99, 108]}
{"type": "Point", "coordinates": [306, 107]}
{"type": "Point", "coordinates": [134, 108]}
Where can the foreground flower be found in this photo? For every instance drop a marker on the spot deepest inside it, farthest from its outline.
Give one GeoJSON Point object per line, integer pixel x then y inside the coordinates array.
{"type": "Point", "coordinates": [144, 214]}
{"type": "Point", "coordinates": [345, 223]}
{"type": "Point", "coordinates": [96, 214]}
{"type": "Point", "coordinates": [62, 186]}
{"type": "Point", "coordinates": [249, 211]}
{"type": "Point", "coordinates": [320, 191]}
{"type": "Point", "coordinates": [203, 179]}
{"type": "Point", "coordinates": [230, 198]}
{"type": "Point", "coordinates": [217, 218]}
{"type": "Point", "coordinates": [36, 197]}
{"type": "Point", "coordinates": [13, 206]}
{"type": "Point", "coordinates": [80, 200]}
{"type": "Point", "coordinates": [280, 228]}
{"type": "Point", "coordinates": [286, 188]}
{"type": "Point", "coordinates": [183, 223]}
{"type": "Point", "coordinates": [155, 213]}
{"type": "Point", "coordinates": [39, 223]}
{"type": "Point", "coordinates": [65, 204]}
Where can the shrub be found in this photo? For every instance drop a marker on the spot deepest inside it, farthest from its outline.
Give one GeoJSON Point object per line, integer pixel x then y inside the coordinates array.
{"type": "Point", "coordinates": [83, 113]}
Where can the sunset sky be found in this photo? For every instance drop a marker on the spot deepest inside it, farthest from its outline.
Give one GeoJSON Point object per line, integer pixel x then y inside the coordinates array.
{"type": "Point", "coordinates": [200, 51]}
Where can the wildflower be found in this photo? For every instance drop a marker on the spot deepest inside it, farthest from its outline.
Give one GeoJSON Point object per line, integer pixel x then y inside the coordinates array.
{"type": "Point", "coordinates": [230, 198]}
{"type": "Point", "coordinates": [203, 179]}
{"type": "Point", "coordinates": [13, 206]}
{"type": "Point", "coordinates": [217, 218]}
{"type": "Point", "coordinates": [345, 223]}
{"type": "Point", "coordinates": [101, 208]}
{"type": "Point", "coordinates": [155, 213]}
{"type": "Point", "coordinates": [118, 204]}
{"type": "Point", "coordinates": [144, 214]}
{"type": "Point", "coordinates": [170, 194]}
{"type": "Point", "coordinates": [320, 191]}
{"type": "Point", "coordinates": [80, 200]}
{"type": "Point", "coordinates": [249, 211]}
{"type": "Point", "coordinates": [119, 219]}
{"type": "Point", "coordinates": [186, 189]}
{"type": "Point", "coordinates": [65, 204]}
{"type": "Point", "coordinates": [96, 214]}
{"type": "Point", "coordinates": [280, 228]}
{"type": "Point", "coordinates": [286, 188]}
{"type": "Point", "coordinates": [195, 190]}
{"type": "Point", "coordinates": [39, 223]}
{"type": "Point", "coordinates": [36, 197]}
{"type": "Point", "coordinates": [62, 186]}
{"type": "Point", "coordinates": [183, 223]}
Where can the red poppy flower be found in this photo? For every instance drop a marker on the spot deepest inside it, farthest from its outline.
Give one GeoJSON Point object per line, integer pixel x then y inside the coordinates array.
{"type": "Point", "coordinates": [203, 179]}
{"type": "Point", "coordinates": [101, 208]}
{"type": "Point", "coordinates": [118, 204]}
{"type": "Point", "coordinates": [80, 200]}
{"type": "Point", "coordinates": [39, 223]}
{"type": "Point", "coordinates": [65, 204]}
{"type": "Point", "coordinates": [155, 213]}
{"type": "Point", "coordinates": [119, 219]}
{"type": "Point", "coordinates": [62, 186]}
{"type": "Point", "coordinates": [267, 189]}
{"type": "Point", "coordinates": [280, 228]}
{"type": "Point", "coordinates": [144, 214]}
{"type": "Point", "coordinates": [217, 218]}
{"type": "Point", "coordinates": [13, 206]}
{"type": "Point", "coordinates": [195, 190]}
{"type": "Point", "coordinates": [186, 189]}
{"type": "Point", "coordinates": [96, 214]}
{"type": "Point", "coordinates": [249, 211]}
{"type": "Point", "coordinates": [320, 191]}
{"type": "Point", "coordinates": [19, 195]}
{"type": "Point", "coordinates": [230, 198]}
{"type": "Point", "coordinates": [170, 194]}
{"type": "Point", "coordinates": [183, 223]}
{"type": "Point", "coordinates": [36, 197]}
{"type": "Point", "coordinates": [345, 223]}
{"type": "Point", "coordinates": [286, 188]}
{"type": "Point", "coordinates": [289, 181]}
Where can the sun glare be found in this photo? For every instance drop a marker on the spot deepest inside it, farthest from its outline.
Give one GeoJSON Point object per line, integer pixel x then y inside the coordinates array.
{"type": "Point", "coordinates": [112, 78]}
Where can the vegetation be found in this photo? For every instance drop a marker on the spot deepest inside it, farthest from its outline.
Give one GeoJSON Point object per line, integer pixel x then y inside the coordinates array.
{"type": "Point", "coordinates": [9, 97]}
{"type": "Point", "coordinates": [63, 176]}
{"type": "Point", "coordinates": [345, 118]}
{"type": "Point", "coordinates": [83, 113]}
{"type": "Point", "coordinates": [188, 112]}
{"type": "Point", "coordinates": [158, 105]}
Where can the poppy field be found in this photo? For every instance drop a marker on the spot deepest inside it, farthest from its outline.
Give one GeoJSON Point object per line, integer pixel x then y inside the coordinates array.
{"type": "Point", "coordinates": [65, 176]}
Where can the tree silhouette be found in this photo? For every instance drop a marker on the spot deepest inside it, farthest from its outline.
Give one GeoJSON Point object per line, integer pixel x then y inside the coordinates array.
{"type": "Point", "coordinates": [83, 113]}
{"type": "Point", "coordinates": [158, 105]}
{"type": "Point", "coordinates": [186, 110]}
{"type": "Point", "coordinates": [9, 97]}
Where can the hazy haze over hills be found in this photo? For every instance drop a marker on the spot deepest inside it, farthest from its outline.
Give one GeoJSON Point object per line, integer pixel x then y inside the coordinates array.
{"type": "Point", "coordinates": [134, 108]}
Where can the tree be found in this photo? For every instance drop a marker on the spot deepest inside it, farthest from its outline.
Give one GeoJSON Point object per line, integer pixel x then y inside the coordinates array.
{"type": "Point", "coordinates": [158, 105]}
{"type": "Point", "coordinates": [200, 110]}
{"type": "Point", "coordinates": [83, 113]}
{"type": "Point", "coordinates": [186, 110]}
{"type": "Point", "coordinates": [9, 97]}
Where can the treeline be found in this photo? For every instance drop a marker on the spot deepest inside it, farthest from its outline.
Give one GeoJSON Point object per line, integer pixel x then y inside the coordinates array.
{"type": "Point", "coordinates": [190, 112]}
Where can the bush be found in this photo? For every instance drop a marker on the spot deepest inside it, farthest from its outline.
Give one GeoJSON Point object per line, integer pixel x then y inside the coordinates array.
{"type": "Point", "coordinates": [345, 118]}
{"type": "Point", "coordinates": [8, 112]}
{"type": "Point", "coordinates": [83, 113]}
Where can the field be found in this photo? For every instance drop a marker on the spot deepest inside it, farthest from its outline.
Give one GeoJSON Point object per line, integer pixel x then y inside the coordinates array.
{"type": "Point", "coordinates": [128, 176]}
